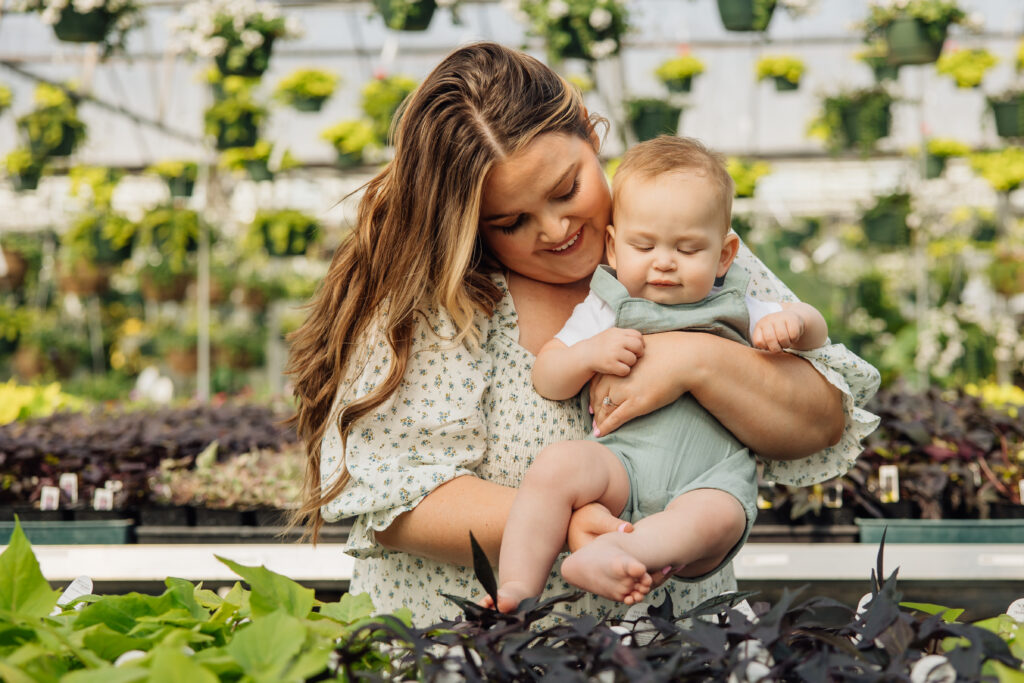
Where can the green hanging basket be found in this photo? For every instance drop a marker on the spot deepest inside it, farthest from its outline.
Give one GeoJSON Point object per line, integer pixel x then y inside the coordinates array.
{"type": "Point", "coordinates": [652, 117]}
{"type": "Point", "coordinates": [405, 15]}
{"type": "Point", "coordinates": [746, 15]}
{"type": "Point", "coordinates": [90, 27]}
{"type": "Point", "coordinates": [679, 84]}
{"type": "Point", "coordinates": [242, 133]}
{"type": "Point", "coordinates": [26, 180]}
{"type": "Point", "coordinates": [910, 42]}
{"type": "Point", "coordinates": [181, 186]}
{"type": "Point", "coordinates": [236, 62]}
{"type": "Point", "coordinates": [258, 170]}
{"type": "Point", "coordinates": [783, 84]}
{"type": "Point", "coordinates": [310, 104]}
{"type": "Point", "coordinates": [1009, 115]}
{"type": "Point", "coordinates": [862, 127]}
{"type": "Point", "coordinates": [885, 224]}
{"type": "Point", "coordinates": [934, 166]}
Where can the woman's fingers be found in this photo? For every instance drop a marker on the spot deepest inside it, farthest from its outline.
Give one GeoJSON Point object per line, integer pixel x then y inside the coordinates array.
{"type": "Point", "coordinates": [618, 416]}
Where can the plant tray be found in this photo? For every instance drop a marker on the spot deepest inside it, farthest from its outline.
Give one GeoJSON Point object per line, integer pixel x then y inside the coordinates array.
{"type": "Point", "coordinates": [106, 532]}
{"type": "Point", "coordinates": [942, 530]}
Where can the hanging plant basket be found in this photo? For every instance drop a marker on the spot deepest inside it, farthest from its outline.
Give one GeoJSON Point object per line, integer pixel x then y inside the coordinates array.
{"type": "Point", "coordinates": [26, 180]}
{"type": "Point", "coordinates": [258, 170]}
{"type": "Point", "coordinates": [652, 117]}
{"type": "Point", "coordinates": [746, 15]}
{"type": "Point", "coordinates": [90, 27]}
{"type": "Point", "coordinates": [679, 84]}
{"type": "Point", "coordinates": [885, 224]}
{"type": "Point", "coordinates": [242, 133]}
{"type": "Point", "coordinates": [161, 290]}
{"type": "Point", "coordinates": [1009, 115]}
{"type": "Point", "coordinates": [311, 104]}
{"type": "Point", "coordinates": [862, 128]}
{"type": "Point", "coordinates": [181, 186]}
{"type": "Point", "coordinates": [85, 278]}
{"type": "Point", "coordinates": [783, 84]}
{"type": "Point", "coordinates": [403, 15]}
{"type": "Point", "coordinates": [253, 65]}
{"type": "Point", "coordinates": [934, 166]}
{"type": "Point", "coordinates": [910, 43]}
{"type": "Point", "coordinates": [42, 148]}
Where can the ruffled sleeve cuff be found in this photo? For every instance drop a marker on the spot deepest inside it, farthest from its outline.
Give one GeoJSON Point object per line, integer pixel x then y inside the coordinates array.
{"type": "Point", "coordinates": [858, 381]}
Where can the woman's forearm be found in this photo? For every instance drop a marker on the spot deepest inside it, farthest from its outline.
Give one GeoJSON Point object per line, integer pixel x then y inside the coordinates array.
{"type": "Point", "coordinates": [438, 528]}
{"type": "Point", "coordinates": [775, 403]}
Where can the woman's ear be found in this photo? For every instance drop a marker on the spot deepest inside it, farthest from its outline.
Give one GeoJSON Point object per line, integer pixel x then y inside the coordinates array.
{"type": "Point", "coordinates": [730, 246]}
{"type": "Point", "coordinates": [609, 245]}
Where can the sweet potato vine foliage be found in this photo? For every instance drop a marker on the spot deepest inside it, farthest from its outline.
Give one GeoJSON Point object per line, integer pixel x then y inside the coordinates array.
{"type": "Point", "coordinates": [273, 629]}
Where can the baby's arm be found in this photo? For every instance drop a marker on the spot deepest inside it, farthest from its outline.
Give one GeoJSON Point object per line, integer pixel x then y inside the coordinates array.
{"type": "Point", "coordinates": [797, 326]}
{"type": "Point", "coordinates": [560, 371]}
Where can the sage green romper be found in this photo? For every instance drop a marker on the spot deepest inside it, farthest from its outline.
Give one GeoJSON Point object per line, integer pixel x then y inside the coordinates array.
{"type": "Point", "coordinates": [681, 447]}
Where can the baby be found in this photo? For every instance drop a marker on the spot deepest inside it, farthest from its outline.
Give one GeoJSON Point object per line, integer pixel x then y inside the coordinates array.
{"type": "Point", "coordinates": [687, 483]}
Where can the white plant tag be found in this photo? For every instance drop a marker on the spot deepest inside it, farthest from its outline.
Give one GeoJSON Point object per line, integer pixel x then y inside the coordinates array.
{"type": "Point", "coordinates": [68, 483]}
{"type": "Point", "coordinates": [1016, 610]}
{"type": "Point", "coordinates": [933, 669]}
{"type": "Point", "coordinates": [889, 483]}
{"type": "Point", "coordinates": [76, 589]}
{"type": "Point", "coordinates": [49, 498]}
{"type": "Point", "coordinates": [102, 499]}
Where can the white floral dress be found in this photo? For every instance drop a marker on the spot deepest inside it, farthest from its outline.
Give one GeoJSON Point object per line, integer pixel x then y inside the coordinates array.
{"type": "Point", "coordinates": [463, 411]}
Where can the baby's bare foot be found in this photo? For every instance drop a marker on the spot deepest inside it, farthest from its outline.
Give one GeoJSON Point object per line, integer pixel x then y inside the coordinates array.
{"type": "Point", "coordinates": [509, 596]}
{"type": "Point", "coordinates": [603, 568]}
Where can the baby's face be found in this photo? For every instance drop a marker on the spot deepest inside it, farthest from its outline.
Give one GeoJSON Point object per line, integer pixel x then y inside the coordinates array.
{"type": "Point", "coordinates": [669, 240]}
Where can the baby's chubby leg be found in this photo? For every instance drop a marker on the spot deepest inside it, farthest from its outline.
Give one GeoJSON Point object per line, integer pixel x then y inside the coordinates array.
{"type": "Point", "coordinates": [693, 533]}
{"type": "Point", "coordinates": [563, 477]}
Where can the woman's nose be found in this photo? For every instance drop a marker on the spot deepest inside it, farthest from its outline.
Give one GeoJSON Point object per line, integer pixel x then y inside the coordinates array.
{"type": "Point", "coordinates": [555, 229]}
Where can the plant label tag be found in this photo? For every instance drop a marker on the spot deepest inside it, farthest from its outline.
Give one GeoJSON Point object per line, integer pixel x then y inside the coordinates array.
{"type": "Point", "coordinates": [79, 587]}
{"type": "Point", "coordinates": [833, 495]}
{"type": "Point", "coordinates": [1020, 490]}
{"type": "Point", "coordinates": [49, 498]}
{"type": "Point", "coordinates": [1016, 610]}
{"type": "Point", "coordinates": [889, 483]}
{"type": "Point", "coordinates": [113, 485]}
{"type": "Point", "coordinates": [68, 483]}
{"type": "Point", "coordinates": [103, 499]}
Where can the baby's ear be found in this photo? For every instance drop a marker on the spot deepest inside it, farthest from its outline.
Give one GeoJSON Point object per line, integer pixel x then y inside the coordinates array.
{"type": "Point", "coordinates": [609, 245]}
{"type": "Point", "coordinates": [730, 247]}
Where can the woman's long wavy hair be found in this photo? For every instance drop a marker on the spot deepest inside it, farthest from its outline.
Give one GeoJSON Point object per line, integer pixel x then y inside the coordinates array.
{"type": "Point", "coordinates": [416, 244]}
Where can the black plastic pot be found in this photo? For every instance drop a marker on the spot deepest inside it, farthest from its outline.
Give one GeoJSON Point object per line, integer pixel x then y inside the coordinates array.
{"type": "Point", "coordinates": [181, 186]}
{"type": "Point", "coordinates": [651, 118]}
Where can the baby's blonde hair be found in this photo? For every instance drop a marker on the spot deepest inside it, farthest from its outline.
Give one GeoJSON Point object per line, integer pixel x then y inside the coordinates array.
{"type": "Point", "coordinates": [671, 154]}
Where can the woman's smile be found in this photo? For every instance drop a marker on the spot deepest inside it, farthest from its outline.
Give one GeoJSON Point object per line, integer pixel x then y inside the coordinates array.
{"type": "Point", "coordinates": [568, 245]}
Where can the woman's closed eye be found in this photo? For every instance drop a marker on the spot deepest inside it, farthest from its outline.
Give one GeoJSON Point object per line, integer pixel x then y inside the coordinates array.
{"type": "Point", "coordinates": [573, 191]}
{"type": "Point", "coordinates": [512, 227]}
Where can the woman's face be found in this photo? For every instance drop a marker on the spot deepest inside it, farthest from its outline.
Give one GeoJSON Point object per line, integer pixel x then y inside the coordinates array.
{"type": "Point", "coordinates": [544, 210]}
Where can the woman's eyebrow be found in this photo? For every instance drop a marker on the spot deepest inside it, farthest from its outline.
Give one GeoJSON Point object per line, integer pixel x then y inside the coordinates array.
{"type": "Point", "coordinates": [558, 183]}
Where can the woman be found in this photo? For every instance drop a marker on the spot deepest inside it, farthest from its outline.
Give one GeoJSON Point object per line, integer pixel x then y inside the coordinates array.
{"type": "Point", "coordinates": [412, 372]}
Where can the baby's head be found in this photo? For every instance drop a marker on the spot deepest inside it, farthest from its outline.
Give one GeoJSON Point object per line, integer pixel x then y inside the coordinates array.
{"type": "Point", "coordinates": [672, 203]}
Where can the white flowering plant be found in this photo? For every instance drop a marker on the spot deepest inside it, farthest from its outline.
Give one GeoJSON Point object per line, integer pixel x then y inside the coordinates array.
{"type": "Point", "coordinates": [238, 34]}
{"type": "Point", "coordinates": [581, 29]}
{"type": "Point", "coordinates": [102, 21]}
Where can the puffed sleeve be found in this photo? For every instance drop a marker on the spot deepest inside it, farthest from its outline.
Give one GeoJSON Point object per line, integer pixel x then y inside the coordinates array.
{"type": "Point", "coordinates": [429, 431]}
{"type": "Point", "coordinates": [851, 374]}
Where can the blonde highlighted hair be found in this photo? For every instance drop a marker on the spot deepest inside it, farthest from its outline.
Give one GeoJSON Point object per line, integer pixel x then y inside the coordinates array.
{"type": "Point", "coordinates": [415, 245]}
{"type": "Point", "coordinates": [671, 154]}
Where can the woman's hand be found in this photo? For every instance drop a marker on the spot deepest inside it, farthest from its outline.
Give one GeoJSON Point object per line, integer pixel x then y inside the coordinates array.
{"type": "Point", "coordinates": [654, 381]}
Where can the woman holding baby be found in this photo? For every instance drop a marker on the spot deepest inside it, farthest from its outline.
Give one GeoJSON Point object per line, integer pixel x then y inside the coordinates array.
{"type": "Point", "coordinates": [413, 369]}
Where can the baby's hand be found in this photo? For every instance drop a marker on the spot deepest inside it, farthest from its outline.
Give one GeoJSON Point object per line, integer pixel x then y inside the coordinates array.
{"type": "Point", "coordinates": [615, 351]}
{"type": "Point", "coordinates": [778, 331]}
